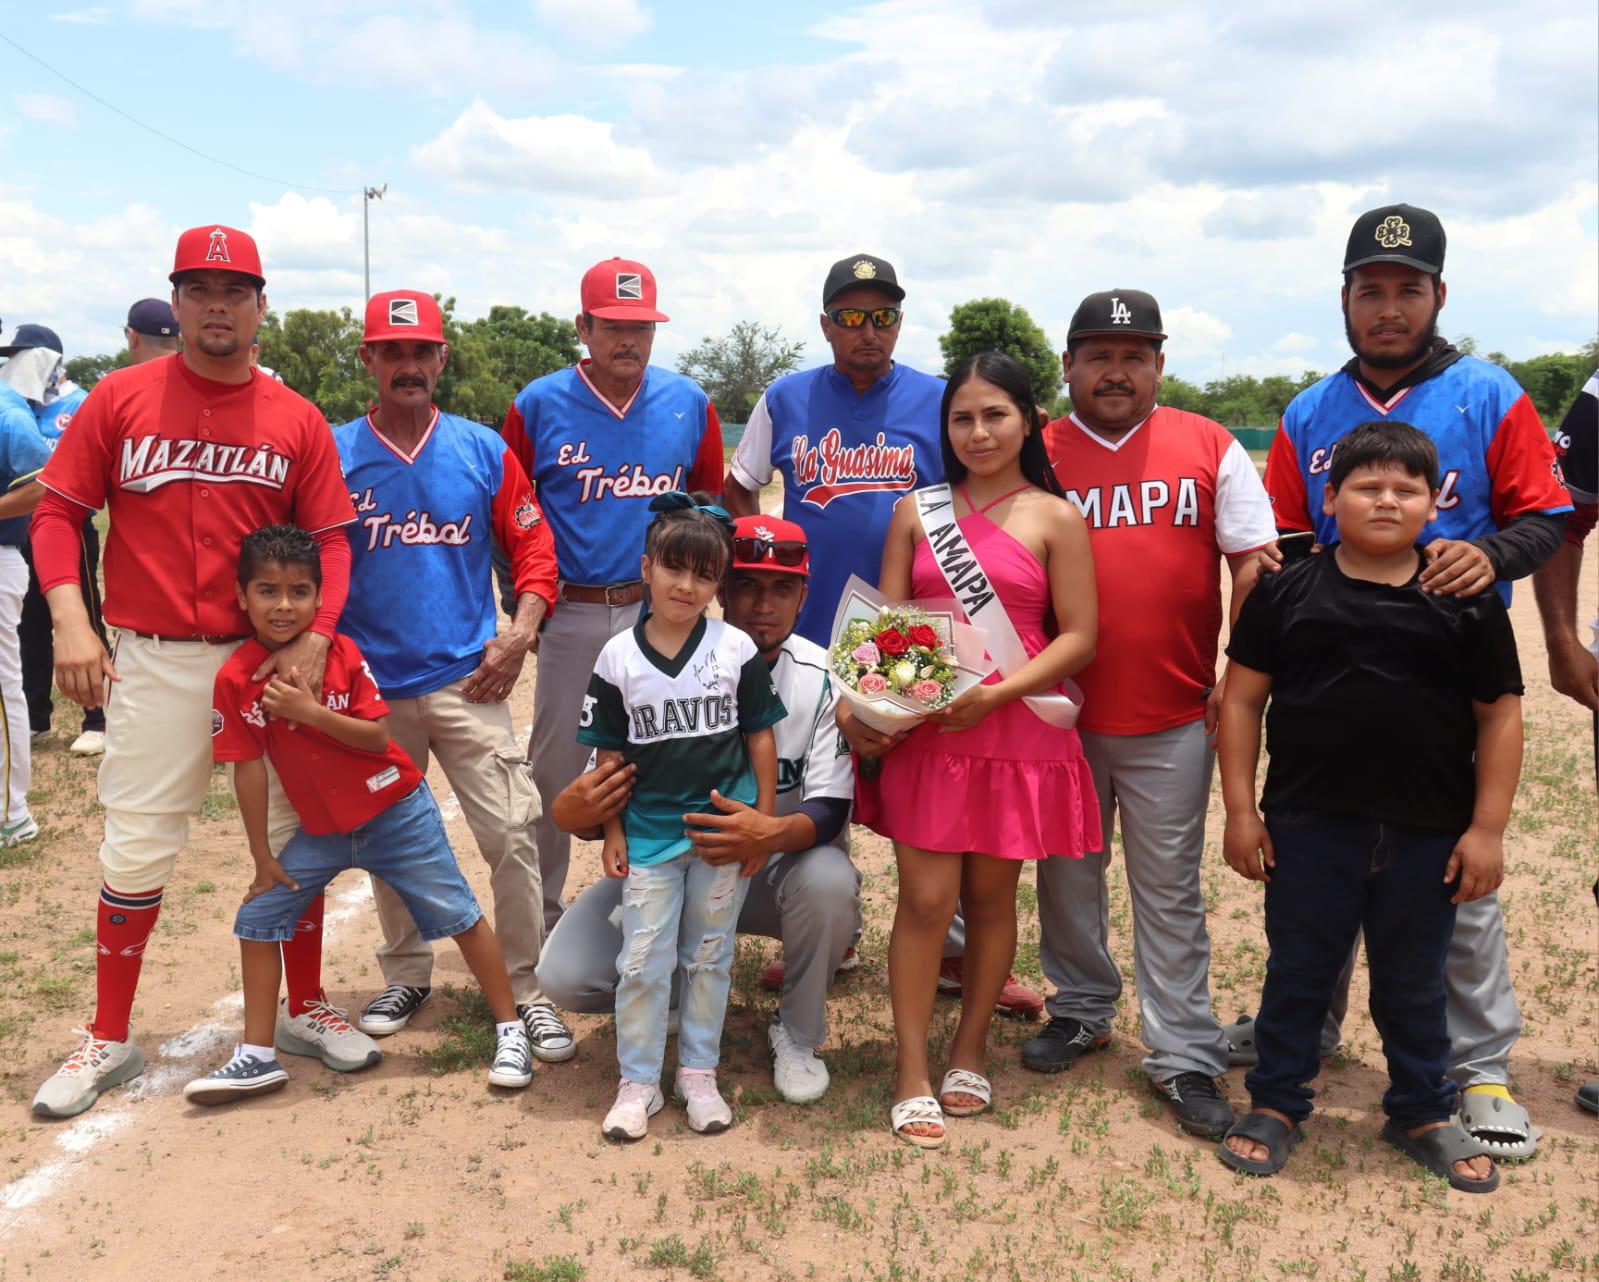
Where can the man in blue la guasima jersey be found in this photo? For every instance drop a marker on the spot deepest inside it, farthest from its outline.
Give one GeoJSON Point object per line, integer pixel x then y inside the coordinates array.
{"type": "Point", "coordinates": [599, 440]}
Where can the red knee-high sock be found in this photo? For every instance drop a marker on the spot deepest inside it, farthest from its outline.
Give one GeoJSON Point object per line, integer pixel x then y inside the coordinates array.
{"type": "Point", "coordinates": [302, 958]}
{"type": "Point", "coordinates": [121, 931]}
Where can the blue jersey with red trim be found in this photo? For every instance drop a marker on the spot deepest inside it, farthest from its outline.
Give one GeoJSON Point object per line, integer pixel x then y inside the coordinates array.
{"type": "Point", "coordinates": [23, 452]}
{"type": "Point", "coordinates": [596, 466]}
{"type": "Point", "coordinates": [1495, 459]}
{"type": "Point", "coordinates": [54, 417]}
{"type": "Point", "coordinates": [846, 459]}
{"type": "Point", "coordinates": [422, 599]}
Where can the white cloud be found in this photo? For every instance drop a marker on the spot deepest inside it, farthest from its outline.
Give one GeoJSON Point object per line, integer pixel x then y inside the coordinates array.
{"type": "Point", "coordinates": [48, 107]}
{"type": "Point", "coordinates": [599, 24]}
{"type": "Point", "coordinates": [549, 155]}
{"type": "Point", "coordinates": [95, 17]}
{"type": "Point", "coordinates": [1195, 333]}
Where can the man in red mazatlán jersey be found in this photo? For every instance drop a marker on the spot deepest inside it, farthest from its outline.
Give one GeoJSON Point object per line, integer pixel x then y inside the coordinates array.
{"type": "Point", "coordinates": [189, 453]}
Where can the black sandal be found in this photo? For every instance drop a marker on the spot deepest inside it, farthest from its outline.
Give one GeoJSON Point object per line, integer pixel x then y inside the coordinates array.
{"type": "Point", "coordinates": [1439, 1149]}
{"type": "Point", "coordinates": [1277, 1136]}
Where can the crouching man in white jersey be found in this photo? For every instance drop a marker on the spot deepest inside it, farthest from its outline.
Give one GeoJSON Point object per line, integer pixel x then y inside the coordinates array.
{"type": "Point", "coordinates": [808, 894]}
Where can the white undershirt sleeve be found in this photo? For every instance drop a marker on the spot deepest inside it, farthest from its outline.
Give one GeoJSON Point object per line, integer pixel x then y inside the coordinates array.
{"type": "Point", "coordinates": [752, 460]}
{"type": "Point", "coordinates": [1243, 508]}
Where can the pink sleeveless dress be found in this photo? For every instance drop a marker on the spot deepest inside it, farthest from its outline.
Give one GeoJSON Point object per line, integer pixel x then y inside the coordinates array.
{"type": "Point", "coordinates": [1013, 785]}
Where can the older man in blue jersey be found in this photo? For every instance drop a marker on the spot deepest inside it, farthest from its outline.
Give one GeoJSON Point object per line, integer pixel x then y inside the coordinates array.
{"type": "Point", "coordinates": [849, 440]}
{"type": "Point", "coordinates": [36, 368]}
{"type": "Point", "coordinates": [432, 494]}
{"type": "Point", "coordinates": [1501, 514]}
{"type": "Point", "coordinates": [599, 440]}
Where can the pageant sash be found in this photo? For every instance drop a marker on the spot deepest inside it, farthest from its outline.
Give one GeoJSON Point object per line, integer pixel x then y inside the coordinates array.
{"type": "Point", "coordinates": [969, 585]}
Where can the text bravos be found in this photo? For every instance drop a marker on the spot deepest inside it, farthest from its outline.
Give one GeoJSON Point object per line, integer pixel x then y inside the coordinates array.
{"type": "Point", "coordinates": [414, 529]}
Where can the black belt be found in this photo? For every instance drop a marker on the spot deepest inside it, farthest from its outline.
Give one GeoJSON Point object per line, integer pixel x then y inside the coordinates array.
{"type": "Point", "coordinates": [212, 640]}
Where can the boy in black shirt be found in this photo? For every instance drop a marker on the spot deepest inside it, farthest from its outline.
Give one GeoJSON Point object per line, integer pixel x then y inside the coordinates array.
{"type": "Point", "coordinates": [1395, 742]}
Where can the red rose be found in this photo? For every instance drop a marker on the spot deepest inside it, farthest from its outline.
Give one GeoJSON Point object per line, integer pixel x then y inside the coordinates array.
{"type": "Point", "coordinates": [924, 636]}
{"type": "Point", "coordinates": [892, 641]}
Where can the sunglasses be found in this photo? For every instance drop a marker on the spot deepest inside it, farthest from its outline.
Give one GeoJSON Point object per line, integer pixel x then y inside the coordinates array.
{"type": "Point", "coordinates": [789, 552]}
{"type": "Point", "coordinates": [855, 317]}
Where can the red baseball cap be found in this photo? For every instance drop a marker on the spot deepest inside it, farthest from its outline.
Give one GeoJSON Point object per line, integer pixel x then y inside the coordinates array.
{"type": "Point", "coordinates": [403, 314]}
{"type": "Point", "coordinates": [620, 289]}
{"type": "Point", "coordinates": [216, 248]}
{"type": "Point", "coordinates": [770, 530]}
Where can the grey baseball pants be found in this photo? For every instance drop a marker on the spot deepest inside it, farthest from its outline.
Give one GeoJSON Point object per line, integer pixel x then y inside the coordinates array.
{"type": "Point", "coordinates": [569, 644]}
{"type": "Point", "coordinates": [1160, 784]}
{"type": "Point", "coordinates": [810, 900]}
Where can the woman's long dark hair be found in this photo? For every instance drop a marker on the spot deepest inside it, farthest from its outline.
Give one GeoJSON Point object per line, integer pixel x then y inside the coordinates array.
{"type": "Point", "coordinates": [1010, 376]}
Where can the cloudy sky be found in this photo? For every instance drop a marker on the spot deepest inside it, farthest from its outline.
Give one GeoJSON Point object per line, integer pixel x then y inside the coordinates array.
{"type": "Point", "coordinates": [1212, 153]}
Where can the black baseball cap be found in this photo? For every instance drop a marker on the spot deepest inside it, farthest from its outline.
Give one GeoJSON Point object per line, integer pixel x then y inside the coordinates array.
{"type": "Point", "coordinates": [1117, 311]}
{"type": "Point", "coordinates": [861, 269]}
{"type": "Point", "coordinates": [153, 316]}
{"type": "Point", "coordinates": [1397, 234]}
{"type": "Point", "coordinates": [27, 336]}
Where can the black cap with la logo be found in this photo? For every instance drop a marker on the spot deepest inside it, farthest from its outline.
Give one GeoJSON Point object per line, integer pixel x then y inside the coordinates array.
{"type": "Point", "coordinates": [1397, 234]}
{"type": "Point", "coordinates": [1117, 311]}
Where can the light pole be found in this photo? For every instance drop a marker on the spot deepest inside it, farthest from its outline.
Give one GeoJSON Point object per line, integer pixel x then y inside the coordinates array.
{"type": "Point", "coordinates": [368, 195]}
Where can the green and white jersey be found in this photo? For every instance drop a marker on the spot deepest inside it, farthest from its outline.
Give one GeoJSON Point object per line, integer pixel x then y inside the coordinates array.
{"type": "Point", "coordinates": [813, 760]}
{"type": "Point", "coordinates": [682, 721]}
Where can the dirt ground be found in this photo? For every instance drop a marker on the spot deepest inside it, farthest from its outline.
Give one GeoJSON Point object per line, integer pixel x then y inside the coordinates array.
{"type": "Point", "coordinates": [416, 1169]}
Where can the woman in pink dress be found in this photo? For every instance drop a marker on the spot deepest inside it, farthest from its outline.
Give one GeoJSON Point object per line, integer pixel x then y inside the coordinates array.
{"type": "Point", "coordinates": [985, 784]}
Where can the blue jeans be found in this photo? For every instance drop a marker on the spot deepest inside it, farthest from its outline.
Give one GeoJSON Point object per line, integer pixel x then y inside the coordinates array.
{"type": "Point", "coordinates": [682, 912]}
{"type": "Point", "coordinates": [1336, 875]}
{"type": "Point", "coordinates": [405, 846]}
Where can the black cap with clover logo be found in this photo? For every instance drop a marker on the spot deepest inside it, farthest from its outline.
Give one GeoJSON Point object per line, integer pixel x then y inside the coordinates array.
{"type": "Point", "coordinates": [861, 269]}
{"type": "Point", "coordinates": [1397, 234]}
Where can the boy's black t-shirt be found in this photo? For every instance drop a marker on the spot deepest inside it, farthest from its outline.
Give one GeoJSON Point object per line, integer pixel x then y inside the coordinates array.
{"type": "Point", "coordinates": [1371, 692]}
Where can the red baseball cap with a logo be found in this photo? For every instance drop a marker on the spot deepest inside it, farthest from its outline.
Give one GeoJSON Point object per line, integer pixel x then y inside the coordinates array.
{"type": "Point", "coordinates": [620, 289]}
{"type": "Point", "coordinates": [403, 314]}
{"type": "Point", "coordinates": [212, 247]}
{"type": "Point", "coordinates": [770, 543]}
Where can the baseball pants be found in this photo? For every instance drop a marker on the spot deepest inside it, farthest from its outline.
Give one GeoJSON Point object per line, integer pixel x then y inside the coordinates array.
{"type": "Point", "coordinates": [1480, 1001]}
{"type": "Point", "coordinates": [38, 635]}
{"type": "Point", "coordinates": [477, 749]}
{"type": "Point", "coordinates": [810, 900]}
{"type": "Point", "coordinates": [569, 644]}
{"type": "Point", "coordinates": [157, 765]}
{"type": "Point", "coordinates": [1160, 784]}
{"type": "Point", "coordinates": [13, 706]}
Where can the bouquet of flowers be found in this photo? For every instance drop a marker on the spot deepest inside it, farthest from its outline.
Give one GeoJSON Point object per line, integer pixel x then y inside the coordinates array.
{"type": "Point", "coordinates": [897, 663]}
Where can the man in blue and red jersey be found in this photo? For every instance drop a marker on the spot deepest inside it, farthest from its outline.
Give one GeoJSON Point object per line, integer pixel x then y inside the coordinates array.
{"type": "Point", "coordinates": [1501, 514]}
{"type": "Point", "coordinates": [599, 441]}
{"type": "Point", "coordinates": [849, 440]}
{"type": "Point", "coordinates": [432, 494]}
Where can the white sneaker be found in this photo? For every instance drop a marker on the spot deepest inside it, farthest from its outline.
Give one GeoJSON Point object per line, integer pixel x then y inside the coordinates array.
{"type": "Point", "coordinates": [513, 1060]}
{"type": "Point", "coordinates": [94, 1068]}
{"type": "Point", "coordinates": [23, 830]}
{"type": "Point", "coordinates": [708, 1112]}
{"type": "Point", "coordinates": [629, 1118]}
{"type": "Point", "coordinates": [797, 1071]}
{"type": "Point", "coordinates": [91, 743]}
{"type": "Point", "coordinates": [323, 1033]}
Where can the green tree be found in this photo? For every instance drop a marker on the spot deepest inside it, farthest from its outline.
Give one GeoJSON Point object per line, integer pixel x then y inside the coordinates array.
{"type": "Point", "coordinates": [998, 325]}
{"type": "Point", "coordinates": [494, 357]}
{"type": "Point", "coordinates": [317, 354]}
{"type": "Point", "coordinates": [86, 371]}
{"type": "Point", "coordinates": [735, 369]}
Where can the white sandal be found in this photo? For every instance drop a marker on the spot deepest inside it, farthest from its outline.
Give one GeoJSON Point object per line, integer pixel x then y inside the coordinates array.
{"type": "Point", "coordinates": [918, 1108]}
{"type": "Point", "coordinates": [961, 1081]}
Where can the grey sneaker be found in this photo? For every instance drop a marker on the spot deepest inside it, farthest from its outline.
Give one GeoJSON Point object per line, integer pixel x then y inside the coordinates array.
{"type": "Point", "coordinates": [513, 1060]}
{"type": "Point", "coordinates": [551, 1038]}
{"type": "Point", "coordinates": [323, 1033]}
{"type": "Point", "coordinates": [241, 1076]}
{"type": "Point", "coordinates": [94, 1068]}
{"type": "Point", "coordinates": [391, 1010]}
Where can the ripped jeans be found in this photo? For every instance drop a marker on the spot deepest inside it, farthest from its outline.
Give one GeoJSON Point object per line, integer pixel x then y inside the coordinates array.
{"type": "Point", "coordinates": [682, 912]}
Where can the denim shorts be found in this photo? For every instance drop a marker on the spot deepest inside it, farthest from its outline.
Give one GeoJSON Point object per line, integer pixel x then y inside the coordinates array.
{"type": "Point", "coordinates": [404, 846]}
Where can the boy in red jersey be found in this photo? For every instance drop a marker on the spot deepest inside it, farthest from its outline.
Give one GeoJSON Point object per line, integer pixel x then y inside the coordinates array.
{"type": "Point", "coordinates": [361, 802]}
